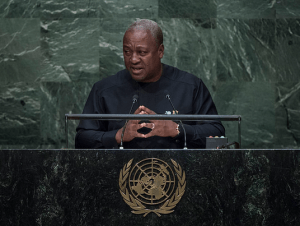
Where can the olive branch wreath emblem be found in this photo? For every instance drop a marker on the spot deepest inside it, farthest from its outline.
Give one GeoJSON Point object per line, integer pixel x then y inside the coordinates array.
{"type": "Point", "coordinates": [137, 207]}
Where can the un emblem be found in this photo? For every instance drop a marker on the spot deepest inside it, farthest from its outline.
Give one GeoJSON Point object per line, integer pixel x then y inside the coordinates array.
{"type": "Point", "coordinates": [151, 186]}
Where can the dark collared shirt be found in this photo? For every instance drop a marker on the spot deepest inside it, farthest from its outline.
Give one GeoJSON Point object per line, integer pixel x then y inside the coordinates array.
{"type": "Point", "coordinates": [113, 95]}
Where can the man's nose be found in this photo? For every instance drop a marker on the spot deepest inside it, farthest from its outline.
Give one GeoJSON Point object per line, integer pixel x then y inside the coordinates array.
{"type": "Point", "coordinates": [134, 58]}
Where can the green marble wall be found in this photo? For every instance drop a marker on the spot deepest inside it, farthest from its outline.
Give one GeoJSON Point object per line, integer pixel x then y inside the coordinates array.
{"type": "Point", "coordinates": [247, 53]}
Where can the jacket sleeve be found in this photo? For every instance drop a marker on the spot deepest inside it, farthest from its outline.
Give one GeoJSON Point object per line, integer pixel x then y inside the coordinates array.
{"type": "Point", "coordinates": [93, 134]}
{"type": "Point", "coordinates": [202, 105]}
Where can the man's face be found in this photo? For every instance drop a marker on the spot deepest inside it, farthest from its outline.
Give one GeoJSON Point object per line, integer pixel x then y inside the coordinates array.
{"type": "Point", "coordinates": [142, 56]}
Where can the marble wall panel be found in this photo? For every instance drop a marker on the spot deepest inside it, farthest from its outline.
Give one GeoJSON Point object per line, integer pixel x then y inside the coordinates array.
{"type": "Point", "coordinates": [20, 8]}
{"type": "Point", "coordinates": [189, 46]}
{"type": "Point", "coordinates": [288, 49]}
{"type": "Point", "coordinates": [70, 49]}
{"type": "Point", "coordinates": [287, 9]}
{"type": "Point", "coordinates": [128, 9]}
{"type": "Point", "coordinates": [246, 50]}
{"type": "Point", "coordinates": [111, 45]}
{"type": "Point", "coordinates": [58, 99]}
{"type": "Point", "coordinates": [254, 101]}
{"type": "Point", "coordinates": [244, 9]}
{"type": "Point", "coordinates": [287, 109]}
{"type": "Point", "coordinates": [257, 9]}
{"type": "Point", "coordinates": [20, 115]}
{"type": "Point", "coordinates": [19, 50]}
{"type": "Point", "coordinates": [187, 9]}
{"type": "Point", "coordinates": [56, 9]}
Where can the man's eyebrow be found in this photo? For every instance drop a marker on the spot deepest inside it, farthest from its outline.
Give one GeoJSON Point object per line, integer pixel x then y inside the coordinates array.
{"type": "Point", "coordinates": [138, 46]}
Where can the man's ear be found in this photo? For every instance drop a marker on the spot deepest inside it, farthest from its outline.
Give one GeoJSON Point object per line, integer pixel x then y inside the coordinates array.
{"type": "Point", "coordinates": [161, 50]}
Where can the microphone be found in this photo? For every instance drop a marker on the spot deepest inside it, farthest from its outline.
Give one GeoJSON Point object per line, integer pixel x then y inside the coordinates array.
{"type": "Point", "coordinates": [134, 100]}
{"type": "Point", "coordinates": [176, 113]}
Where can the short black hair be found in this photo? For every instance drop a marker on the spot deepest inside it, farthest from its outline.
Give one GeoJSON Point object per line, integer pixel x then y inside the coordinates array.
{"type": "Point", "coordinates": [150, 25]}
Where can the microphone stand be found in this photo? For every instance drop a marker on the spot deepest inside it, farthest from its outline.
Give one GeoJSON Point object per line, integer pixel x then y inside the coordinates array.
{"type": "Point", "coordinates": [175, 112]}
{"type": "Point", "coordinates": [134, 100]}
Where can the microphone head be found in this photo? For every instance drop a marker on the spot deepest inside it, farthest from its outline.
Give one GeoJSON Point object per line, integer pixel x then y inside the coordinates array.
{"type": "Point", "coordinates": [167, 94]}
{"type": "Point", "coordinates": [135, 98]}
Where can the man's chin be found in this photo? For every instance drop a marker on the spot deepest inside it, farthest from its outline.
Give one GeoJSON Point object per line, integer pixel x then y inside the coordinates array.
{"type": "Point", "coordinates": [138, 78]}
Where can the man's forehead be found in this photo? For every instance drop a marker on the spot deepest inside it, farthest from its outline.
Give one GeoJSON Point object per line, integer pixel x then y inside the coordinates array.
{"type": "Point", "coordinates": [137, 35]}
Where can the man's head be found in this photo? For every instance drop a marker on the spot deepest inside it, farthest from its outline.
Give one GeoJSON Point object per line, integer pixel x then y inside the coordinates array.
{"type": "Point", "coordinates": [143, 49]}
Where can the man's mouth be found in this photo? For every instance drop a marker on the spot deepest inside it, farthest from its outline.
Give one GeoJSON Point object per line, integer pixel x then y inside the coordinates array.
{"type": "Point", "coordinates": [136, 69]}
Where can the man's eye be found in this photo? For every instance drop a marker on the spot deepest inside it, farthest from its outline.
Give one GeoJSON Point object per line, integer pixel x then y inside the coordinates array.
{"type": "Point", "coordinates": [143, 52]}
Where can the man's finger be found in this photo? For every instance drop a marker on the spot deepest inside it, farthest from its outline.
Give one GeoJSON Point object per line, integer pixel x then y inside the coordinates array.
{"type": "Point", "coordinates": [132, 122]}
{"type": "Point", "coordinates": [147, 110]}
{"type": "Point", "coordinates": [139, 109]}
{"type": "Point", "coordinates": [140, 135]}
{"type": "Point", "coordinates": [147, 125]}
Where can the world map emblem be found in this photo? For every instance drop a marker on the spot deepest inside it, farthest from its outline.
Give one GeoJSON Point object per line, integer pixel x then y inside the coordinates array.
{"type": "Point", "coordinates": [152, 186]}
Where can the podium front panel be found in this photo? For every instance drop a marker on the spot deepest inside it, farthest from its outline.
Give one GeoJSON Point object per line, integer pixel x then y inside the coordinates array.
{"type": "Point", "coordinates": [150, 187]}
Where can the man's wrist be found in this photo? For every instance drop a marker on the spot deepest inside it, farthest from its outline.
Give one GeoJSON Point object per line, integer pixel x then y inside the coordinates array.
{"type": "Point", "coordinates": [118, 135]}
{"type": "Point", "coordinates": [174, 131]}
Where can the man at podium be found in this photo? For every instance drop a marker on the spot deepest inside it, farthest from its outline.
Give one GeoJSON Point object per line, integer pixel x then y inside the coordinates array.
{"type": "Point", "coordinates": [144, 85]}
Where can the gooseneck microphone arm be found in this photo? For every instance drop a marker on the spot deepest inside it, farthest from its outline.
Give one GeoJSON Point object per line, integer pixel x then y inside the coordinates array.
{"type": "Point", "coordinates": [176, 113]}
{"type": "Point", "coordinates": [134, 100]}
